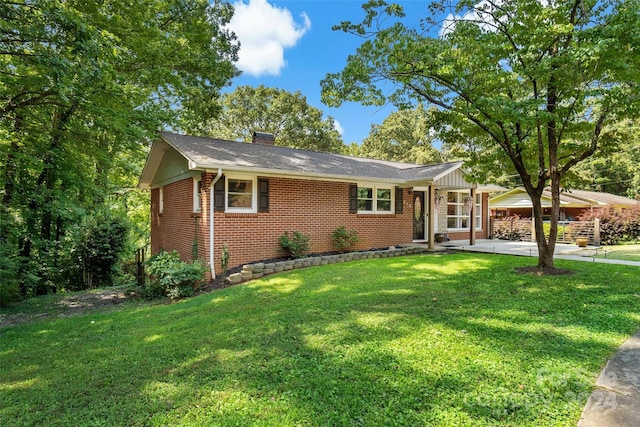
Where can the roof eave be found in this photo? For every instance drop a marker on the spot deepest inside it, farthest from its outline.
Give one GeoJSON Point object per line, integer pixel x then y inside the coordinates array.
{"type": "Point", "coordinates": [297, 174]}
{"type": "Point", "coordinates": [446, 172]}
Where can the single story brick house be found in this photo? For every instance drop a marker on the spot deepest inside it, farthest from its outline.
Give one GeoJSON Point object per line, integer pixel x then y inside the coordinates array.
{"type": "Point", "coordinates": [209, 193]}
{"type": "Point", "coordinates": [573, 203]}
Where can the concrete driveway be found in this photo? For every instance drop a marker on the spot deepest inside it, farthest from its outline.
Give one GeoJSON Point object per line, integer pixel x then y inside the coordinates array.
{"type": "Point", "coordinates": [507, 247]}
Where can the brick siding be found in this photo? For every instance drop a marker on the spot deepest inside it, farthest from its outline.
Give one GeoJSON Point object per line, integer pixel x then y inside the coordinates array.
{"type": "Point", "coordinates": [315, 208]}
{"type": "Point", "coordinates": [177, 227]}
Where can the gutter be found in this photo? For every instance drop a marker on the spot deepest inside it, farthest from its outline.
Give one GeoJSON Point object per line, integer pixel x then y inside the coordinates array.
{"type": "Point", "coordinates": [211, 204]}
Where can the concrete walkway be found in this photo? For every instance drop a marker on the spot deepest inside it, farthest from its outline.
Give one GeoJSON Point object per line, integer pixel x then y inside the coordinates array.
{"type": "Point", "coordinates": [616, 400]}
{"type": "Point", "coordinates": [563, 250]}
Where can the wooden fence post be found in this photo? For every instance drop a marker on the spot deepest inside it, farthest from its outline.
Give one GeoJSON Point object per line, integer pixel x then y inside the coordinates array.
{"type": "Point", "coordinates": [596, 232]}
{"type": "Point", "coordinates": [533, 229]}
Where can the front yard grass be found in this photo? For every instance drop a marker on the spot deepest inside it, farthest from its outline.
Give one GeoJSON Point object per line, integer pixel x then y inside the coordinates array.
{"type": "Point", "coordinates": [422, 340]}
{"type": "Point", "coordinates": [622, 252]}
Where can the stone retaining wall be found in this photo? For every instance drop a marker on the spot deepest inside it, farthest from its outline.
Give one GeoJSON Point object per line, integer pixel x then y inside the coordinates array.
{"type": "Point", "coordinates": [261, 269]}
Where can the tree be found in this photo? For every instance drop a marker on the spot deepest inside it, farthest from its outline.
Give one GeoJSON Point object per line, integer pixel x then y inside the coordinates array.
{"type": "Point", "coordinates": [82, 85]}
{"type": "Point", "coordinates": [405, 136]}
{"type": "Point", "coordinates": [535, 83]}
{"type": "Point", "coordinates": [293, 122]}
{"type": "Point", "coordinates": [614, 171]}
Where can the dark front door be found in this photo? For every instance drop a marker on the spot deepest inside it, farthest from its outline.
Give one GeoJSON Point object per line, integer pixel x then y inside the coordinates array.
{"type": "Point", "coordinates": [418, 215]}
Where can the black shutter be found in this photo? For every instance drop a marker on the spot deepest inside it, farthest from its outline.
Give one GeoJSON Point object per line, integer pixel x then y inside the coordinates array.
{"type": "Point", "coordinates": [399, 202]}
{"type": "Point", "coordinates": [218, 195]}
{"type": "Point", "coordinates": [353, 198]}
{"type": "Point", "coordinates": [263, 195]}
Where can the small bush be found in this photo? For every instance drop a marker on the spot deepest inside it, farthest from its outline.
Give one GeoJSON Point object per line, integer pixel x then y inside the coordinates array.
{"type": "Point", "coordinates": [97, 245]}
{"type": "Point", "coordinates": [9, 287]}
{"type": "Point", "coordinates": [224, 259]}
{"type": "Point", "coordinates": [617, 226]}
{"type": "Point", "coordinates": [344, 240]}
{"type": "Point", "coordinates": [170, 276]}
{"type": "Point", "coordinates": [296, 246]}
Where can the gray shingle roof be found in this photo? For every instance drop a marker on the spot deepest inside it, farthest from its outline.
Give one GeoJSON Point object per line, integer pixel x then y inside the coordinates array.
{"type": "Point", "coordinates": [208, 153]}
{"type": "Point", "coordinates": [603, 198]}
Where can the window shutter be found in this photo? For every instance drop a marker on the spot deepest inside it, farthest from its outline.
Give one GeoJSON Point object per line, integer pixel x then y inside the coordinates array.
{"type": "Point", "coordinates": [399, 201]}
{"type": "Point", "coordinates": [218, 195]}
{"type": "Point", "coordinates": [263, 195]}
{"type": "Point", "coordinates": [353, 198]}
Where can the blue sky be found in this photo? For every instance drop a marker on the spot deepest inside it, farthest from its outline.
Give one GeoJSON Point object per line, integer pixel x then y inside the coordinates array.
{"type": "Point", "coordinates": [289, 44]}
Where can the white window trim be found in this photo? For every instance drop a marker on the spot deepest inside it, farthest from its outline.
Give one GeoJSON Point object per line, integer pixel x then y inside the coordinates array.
{"type": "Point", "coordinates": [477, 210]}
{"type": "Point", "coordinates": [161, 200]}
{"type": "Point", "coordinates": [374, 204]}
{"type": "Point", "coordinates": [254, 195]}
{"type": "Point", "coordinates": [197, 197]}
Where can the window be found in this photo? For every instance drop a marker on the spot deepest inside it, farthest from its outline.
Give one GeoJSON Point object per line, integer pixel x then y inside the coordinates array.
{"type": "Point", "coordinates": [365, 199]}
{"type": "Point", "coordinates": [457, 210]}
{"type": "Point", "coordinates": [383, 200]}
{"type": "Point", "coordinates": [241, 195]}
{"type": "Point", "coordinates": [197, 196]}
{"type": "Point", "coordinates": [375, 200]}
{"type": "Point", "coordinates": [160, 199]}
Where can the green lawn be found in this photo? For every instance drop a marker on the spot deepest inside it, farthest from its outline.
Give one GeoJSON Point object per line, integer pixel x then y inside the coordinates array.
{"type": "Point", "coordinates": [422, 340]}
{"type": "Point", "coordinates": [622, 252]}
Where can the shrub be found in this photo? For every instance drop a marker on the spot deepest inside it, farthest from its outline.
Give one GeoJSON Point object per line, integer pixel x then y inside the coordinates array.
{"type": "Point", "coordinates": [344, 240]}
{"type": "Point", "coordinates": [296, 246]}
{"type": "Point", "coordinates": [9, 262]}
{"type": "Point", "coordinates": [617, 226]}
{"type": "Point", "coordinates": [96, 250]}
{"type": "Point", "coordinates": [224, 259]}
{"type": "Point", "coordinates": [9, 266]}
{"type": "Point", "coordinates": [504, 229]}
{"type": "Point", "coordinates": [170, 276]}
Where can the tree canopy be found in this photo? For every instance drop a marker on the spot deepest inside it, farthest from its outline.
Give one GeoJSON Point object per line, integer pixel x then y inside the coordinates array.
{"type": "Point", "coordinates": [293, 122]}
{"type": "Point", "coordinates": [82, 84]}
{"type": "Point", "coordinates": [614, 171]}
{"type": "Point", "coordinates": [535, 85]}
{"type": "Point", "coordinates": [405, 136]}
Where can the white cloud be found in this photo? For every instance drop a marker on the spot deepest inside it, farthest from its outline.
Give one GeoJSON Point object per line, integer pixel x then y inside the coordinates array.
{"type": "Point", "coordinates": [338, 126]}
{"type": "Point", "coordinates": [481, 13]}
{"type": "Point", "coordinates": [265, 31]}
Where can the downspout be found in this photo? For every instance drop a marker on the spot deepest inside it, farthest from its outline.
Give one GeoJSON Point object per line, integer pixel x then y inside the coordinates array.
{"type": "Point", "coordinates": [211, 207]}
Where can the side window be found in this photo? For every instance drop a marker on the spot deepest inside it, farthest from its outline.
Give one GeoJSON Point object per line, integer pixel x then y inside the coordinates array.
{"type": "Point", "coordinates": [161, 200]}
{"type": "Point", "coordinates": [241, 194]}
{"type": "Point", "coordinates": [197, 196]}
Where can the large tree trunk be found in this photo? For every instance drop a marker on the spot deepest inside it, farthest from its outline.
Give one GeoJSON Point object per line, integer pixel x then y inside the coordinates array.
{"type": "Point", "coordinates": [48, 176]}
{"type": "Point", "coordinates": [545, 248]}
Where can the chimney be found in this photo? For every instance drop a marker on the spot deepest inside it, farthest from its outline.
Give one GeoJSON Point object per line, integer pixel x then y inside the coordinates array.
{"type": "Point", "coordinates": [263, 138]}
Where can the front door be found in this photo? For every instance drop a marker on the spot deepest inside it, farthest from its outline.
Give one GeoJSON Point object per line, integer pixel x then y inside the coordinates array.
{"type": "Point", "coordinates": [418, 215]}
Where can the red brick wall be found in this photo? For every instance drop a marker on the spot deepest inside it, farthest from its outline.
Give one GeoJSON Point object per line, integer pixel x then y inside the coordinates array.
{"type": "Point", "coordinates": [314, 208]}
{"type": "Point", "coordinates": [178, 227]}
{"type": "Point", "coordinates": [574, 213]}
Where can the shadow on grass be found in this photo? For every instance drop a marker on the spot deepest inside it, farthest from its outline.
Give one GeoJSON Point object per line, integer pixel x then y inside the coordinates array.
{"type": "Point", "coordinates": [456, 339]}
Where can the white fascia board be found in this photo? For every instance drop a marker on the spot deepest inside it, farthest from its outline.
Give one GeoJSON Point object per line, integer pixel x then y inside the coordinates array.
{"type": "Point", "coordinates": [315, 176]}
{"type": "Point", "coordinates": [448, 171]}
{"type": "Point", "coordinates": [191, 174]}
{"type": "Point", "coordinates": [151, 165]}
